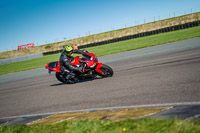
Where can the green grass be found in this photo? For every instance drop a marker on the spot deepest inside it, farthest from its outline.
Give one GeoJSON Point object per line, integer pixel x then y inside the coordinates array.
{"type": "Point", "coordinates": [98, 126]}
{"type": "Point", "coordinates": [108, 49]}
{"type": "Point", "coordinates": [146, 41]}
{"type": "Point", "coordinates": [28, 64]}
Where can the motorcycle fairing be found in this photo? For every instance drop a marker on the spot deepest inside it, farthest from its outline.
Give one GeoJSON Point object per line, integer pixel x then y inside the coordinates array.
{"type": "Point", "coordinates": [99, 66]}
{"type": "Point", "coordinates": [53, 66]}
{"type": "Point", "coordinates": [75, 61]}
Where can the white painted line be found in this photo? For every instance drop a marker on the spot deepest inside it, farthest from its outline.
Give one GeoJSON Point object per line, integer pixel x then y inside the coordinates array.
{"type": "Point", "coordinates": [108, 108]}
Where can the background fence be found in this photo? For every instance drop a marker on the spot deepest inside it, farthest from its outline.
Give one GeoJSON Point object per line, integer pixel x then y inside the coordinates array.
{"type": "Point", "coordinates": [153, 32]}
{"type": "Point", "coordinates": [163, 30]}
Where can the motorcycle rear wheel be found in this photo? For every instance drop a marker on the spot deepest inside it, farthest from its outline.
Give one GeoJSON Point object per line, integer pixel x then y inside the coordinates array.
{"type": "Point", "coordinates": [59, 77]}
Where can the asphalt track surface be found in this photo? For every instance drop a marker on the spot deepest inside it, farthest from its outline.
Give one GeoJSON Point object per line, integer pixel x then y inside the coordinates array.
{"type": "Point", "coordinates": [168, 73]}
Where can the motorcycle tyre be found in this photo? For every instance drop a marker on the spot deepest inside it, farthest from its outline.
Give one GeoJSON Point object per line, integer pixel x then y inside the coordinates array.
{"type": "Point", "coordinates": [58, 74]}
{"type": "Point", "coordinates": [107, 69]}
{"type": "Point", "coordinates": [70, 81]}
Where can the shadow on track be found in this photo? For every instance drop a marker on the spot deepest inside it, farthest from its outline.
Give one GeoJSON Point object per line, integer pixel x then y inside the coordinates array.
{"type": "Point", "coordinates": [80, 81]}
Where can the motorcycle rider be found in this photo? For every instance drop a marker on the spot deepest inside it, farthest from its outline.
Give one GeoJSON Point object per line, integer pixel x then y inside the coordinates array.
{"type": "Point", "coordinates": [66, 58]}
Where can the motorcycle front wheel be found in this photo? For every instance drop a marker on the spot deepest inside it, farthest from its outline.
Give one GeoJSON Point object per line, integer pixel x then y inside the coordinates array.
{"type": "Point", "coordinates": [107, 71]}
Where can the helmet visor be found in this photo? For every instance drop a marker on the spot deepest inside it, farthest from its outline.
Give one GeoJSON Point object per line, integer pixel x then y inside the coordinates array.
{"type": "Point", "coordinates": [70, 53]}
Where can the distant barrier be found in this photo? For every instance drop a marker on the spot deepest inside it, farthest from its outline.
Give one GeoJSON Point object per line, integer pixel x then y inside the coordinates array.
{"type": "Point", "coordinates": [21, 58]}
{"type": "Point", "coordinates": [163, 30]}
{"type": "Point", "coordinates": [148, 33]}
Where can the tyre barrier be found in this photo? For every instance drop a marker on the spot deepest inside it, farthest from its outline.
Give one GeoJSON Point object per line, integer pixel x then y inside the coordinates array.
{"type": "Point", "coordinates": [148, 33]}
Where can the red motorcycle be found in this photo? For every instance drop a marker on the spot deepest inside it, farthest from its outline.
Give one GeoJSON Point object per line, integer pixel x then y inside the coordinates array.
{"type": "Point", "coordinates": [91, 69]}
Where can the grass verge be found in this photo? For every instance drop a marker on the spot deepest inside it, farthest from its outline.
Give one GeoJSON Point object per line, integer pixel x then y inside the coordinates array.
{"type": "Point", "coordinates": [108, 49]}
{"type": "Point", "coordinates": [145, 125]}
{"type": "Point", "coordinates": [114, 115]}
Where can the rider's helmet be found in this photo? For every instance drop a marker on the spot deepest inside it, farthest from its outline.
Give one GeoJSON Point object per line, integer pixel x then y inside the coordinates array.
{"type": "Point", "coordinates": [67, 49]}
